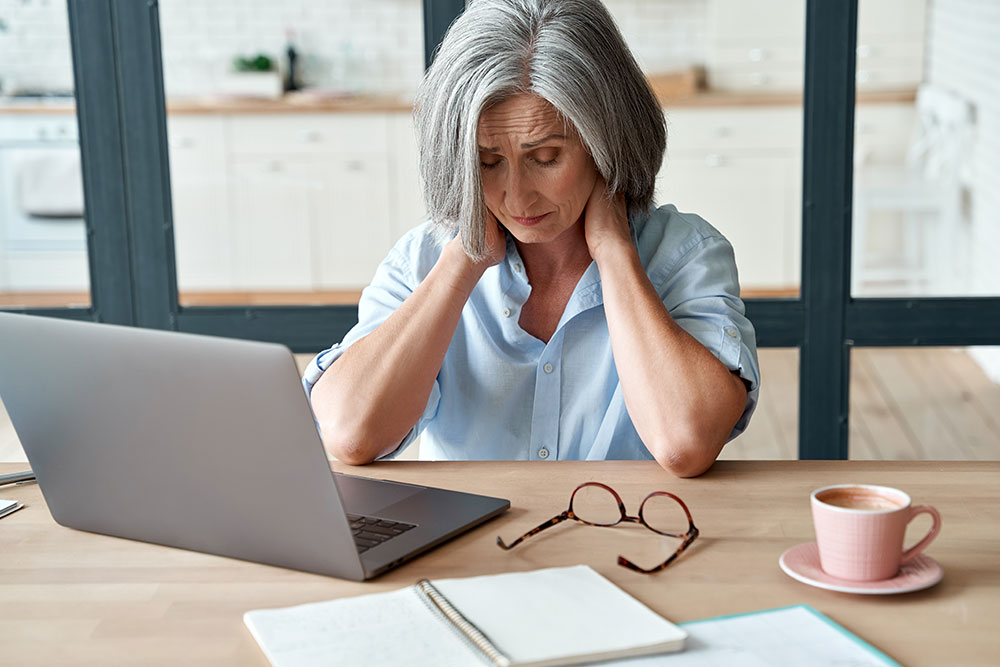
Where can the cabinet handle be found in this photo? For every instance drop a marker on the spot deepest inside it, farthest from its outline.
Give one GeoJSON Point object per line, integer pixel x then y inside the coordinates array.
{"type": "Point", "coordinates": [312, 136]}
{"type": "Point", "coordinates": [715, 160]}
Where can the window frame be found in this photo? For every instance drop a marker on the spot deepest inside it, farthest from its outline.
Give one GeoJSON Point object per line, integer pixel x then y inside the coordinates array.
{"type": "Point", "coordinates": [121, 113]}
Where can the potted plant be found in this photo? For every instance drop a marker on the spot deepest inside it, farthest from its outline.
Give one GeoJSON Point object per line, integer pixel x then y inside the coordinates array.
{"type": "Point", "coordinates": [253, 76]}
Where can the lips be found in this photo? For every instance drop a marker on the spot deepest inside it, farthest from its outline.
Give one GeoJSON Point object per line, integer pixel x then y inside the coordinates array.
{"type": "Point", "coordinates": [529, 222]}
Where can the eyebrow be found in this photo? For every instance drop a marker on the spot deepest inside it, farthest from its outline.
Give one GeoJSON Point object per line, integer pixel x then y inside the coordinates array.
{"type": "Point", "coordinates": [530, 144]}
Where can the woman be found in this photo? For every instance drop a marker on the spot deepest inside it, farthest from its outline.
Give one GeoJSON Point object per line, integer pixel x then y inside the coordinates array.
{"type": "Point", "coordinates": [547, 311]}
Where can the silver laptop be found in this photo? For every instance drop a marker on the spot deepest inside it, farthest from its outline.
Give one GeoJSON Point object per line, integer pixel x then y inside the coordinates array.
{"type": "Point", "coordinates": [206, 444]}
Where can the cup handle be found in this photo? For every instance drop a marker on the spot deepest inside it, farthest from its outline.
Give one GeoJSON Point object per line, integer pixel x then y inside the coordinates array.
{"type": "Point", "coordinates": [915, 550]}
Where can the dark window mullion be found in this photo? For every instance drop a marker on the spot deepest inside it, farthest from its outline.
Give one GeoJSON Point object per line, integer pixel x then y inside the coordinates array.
{"type": "Point", "coordinates": [927, 321]}
{"type": "Point", "coordinates": [105, 189]}
{"type": "Point", "coordinates": [144, 154]}
{"type": "Point", "coordinates": [827, 167]}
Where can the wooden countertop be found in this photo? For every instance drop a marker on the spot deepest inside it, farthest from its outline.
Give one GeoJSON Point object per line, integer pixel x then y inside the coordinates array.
{"type": "Point", "coordinates": [71, 596]}
{"type": "Point", "coordinates": [388, 103]}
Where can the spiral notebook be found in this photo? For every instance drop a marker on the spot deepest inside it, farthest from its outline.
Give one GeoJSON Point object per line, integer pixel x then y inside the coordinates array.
{"type": "Point", "coordinates": [555, 616]}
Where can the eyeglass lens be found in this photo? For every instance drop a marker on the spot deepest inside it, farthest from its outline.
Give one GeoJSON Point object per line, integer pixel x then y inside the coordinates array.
{"type": "Point", "coordinates": [664, 515]}
{"type": "Point", "coordinates": [596, 505]}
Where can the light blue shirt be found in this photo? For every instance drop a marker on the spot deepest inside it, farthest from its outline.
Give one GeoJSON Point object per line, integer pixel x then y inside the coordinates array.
{"type": "Point", "coordinates": [504, 394]}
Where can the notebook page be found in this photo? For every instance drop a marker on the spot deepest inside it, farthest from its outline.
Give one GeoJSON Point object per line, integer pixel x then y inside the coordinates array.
{"type": "Point", "coordinates": [545, 615]}
{"type": "Point", "coordinates": [382, 629]}
{"type": "Point", "coordinates": [787, 637]}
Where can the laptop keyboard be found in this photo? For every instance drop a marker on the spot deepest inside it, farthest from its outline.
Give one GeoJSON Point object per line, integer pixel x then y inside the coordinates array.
{"type": "Point", "coordinates": [370, 531]}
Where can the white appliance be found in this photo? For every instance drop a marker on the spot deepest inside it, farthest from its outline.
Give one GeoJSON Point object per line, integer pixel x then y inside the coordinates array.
{"type": "Point", "coordinates": [40, 250]}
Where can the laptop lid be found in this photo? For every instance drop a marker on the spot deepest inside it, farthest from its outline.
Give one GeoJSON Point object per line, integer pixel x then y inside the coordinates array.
{"type": "Point", "coordinates": [198, 442]}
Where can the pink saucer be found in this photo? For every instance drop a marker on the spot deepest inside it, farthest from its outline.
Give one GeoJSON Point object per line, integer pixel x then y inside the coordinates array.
{"type": "Point", "coordinates": [802, 562]}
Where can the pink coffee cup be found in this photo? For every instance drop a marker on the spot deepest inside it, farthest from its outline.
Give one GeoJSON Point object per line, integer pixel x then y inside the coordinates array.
{"type": "Point", "coordinates": [860, 530]}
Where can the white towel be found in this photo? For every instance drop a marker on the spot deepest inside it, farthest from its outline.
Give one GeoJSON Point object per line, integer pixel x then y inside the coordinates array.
{"type": "Point", "coordinates": [50, 184]}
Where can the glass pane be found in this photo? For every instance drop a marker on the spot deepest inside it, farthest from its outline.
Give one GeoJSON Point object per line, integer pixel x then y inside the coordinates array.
{"type": "Point", "coordinates": [925, 403]}
{"type": "Point", "coordinates": [926, 167]}
{"type": "Point", "coordinates": [729, 74]}
{"type": "Point", "coordinates": [43, 241]}
{"type": "Point", "coordinates": [280, 195]}
{"type": "Point", "coordinates": [774, 429]}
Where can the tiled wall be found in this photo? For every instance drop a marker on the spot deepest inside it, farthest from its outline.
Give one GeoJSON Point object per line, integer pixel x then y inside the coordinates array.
{"type": "Point", "coordinates": [34, 45]}
{"type": "Point", "coordinates": [964, 55]}
{"type": "Point", "coordinates": [370, 45]}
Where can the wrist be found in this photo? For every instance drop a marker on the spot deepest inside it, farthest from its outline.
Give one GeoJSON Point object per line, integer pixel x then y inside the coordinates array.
{"type": "Point", "coordinates": [458, 268]}
{"type": "Point", "coordinates": [615, 252]}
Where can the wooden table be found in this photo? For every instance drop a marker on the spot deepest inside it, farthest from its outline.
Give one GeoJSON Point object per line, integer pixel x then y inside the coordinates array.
{"type": "Point", "coordinates": [69, 597]}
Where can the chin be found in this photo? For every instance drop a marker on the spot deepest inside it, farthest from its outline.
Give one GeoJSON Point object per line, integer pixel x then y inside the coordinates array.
{"type": "Point", "coordinates": [542, 233]}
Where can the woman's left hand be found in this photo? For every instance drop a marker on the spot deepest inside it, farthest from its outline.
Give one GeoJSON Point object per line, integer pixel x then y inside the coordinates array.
{"type": "Point", "coordinates": [605, 220]}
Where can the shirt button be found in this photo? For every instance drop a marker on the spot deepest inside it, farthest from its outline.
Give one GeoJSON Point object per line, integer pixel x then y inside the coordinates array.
{"type": "Point", "coordinates": [731, 332]}
{"type": "Point", "coordinates": [506, 312]}
{"type": "Point", "coordinates": [543, 453]}
{"type": "Point", "coordinates": [547, 368]}
{"type": "Point", "coordinates": [517, 268]}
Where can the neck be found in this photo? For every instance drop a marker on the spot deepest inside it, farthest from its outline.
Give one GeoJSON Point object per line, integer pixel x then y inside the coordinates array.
{"type": "Point", "coordinates": [563, 257]}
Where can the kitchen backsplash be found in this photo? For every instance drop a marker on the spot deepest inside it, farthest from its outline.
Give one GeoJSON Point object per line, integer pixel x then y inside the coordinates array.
{"type": "Point", "coordinates": [371, 46]}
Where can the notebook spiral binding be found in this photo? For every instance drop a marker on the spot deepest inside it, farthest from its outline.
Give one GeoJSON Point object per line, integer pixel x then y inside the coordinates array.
{"type": "Point", "coordinates": [471, 633]}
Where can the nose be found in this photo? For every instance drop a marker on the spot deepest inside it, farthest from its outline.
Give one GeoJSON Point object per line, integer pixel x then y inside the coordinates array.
{"type": "Point", "coordinates": [520, 193]}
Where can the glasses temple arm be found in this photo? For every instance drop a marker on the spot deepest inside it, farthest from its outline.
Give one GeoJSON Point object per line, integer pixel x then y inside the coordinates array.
{"type": "Point", "coordinates": [534, 531]}
{"type": "Point", "coordinates": [688, 539]}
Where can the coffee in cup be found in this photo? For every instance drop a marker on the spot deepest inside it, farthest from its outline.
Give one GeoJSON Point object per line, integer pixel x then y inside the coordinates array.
{"type": "Point", "coordinates": [860, 530]}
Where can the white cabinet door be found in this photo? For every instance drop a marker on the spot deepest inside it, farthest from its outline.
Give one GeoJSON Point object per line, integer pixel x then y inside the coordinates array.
{"type": "Point", "coordinates": [408, 209]}
{"type": "Point", "coordinates": [353, 229]}
{"type": "Point", "coordinates": [312, 199]}
{"type": "Point", "coordinates": [200, 188]}
{"type": "Point", "coordinates": [275, 204]}
{"type": "Point", "coordinates": [748, 200]}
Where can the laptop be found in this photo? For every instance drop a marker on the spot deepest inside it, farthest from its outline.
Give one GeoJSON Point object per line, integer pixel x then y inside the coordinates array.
{"type": "Point", "coordinates": [207, 444]}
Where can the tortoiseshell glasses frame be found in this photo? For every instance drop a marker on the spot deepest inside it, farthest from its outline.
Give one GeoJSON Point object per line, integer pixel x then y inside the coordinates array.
{"type": "Point", "coordinates": [688, 536]}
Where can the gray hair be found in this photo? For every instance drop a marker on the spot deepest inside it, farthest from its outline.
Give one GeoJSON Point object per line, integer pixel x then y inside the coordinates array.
{"type": "Point", "coordinates": [568, 52]}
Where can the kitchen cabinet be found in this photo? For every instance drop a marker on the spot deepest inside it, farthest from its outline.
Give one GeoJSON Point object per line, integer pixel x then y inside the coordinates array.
{"type": "Point", "coordinates": [354, 232]}
{"type": "Point", "coordinates": [740, 169]}
{"type": "Point", "coordinates": [275, 204]}
{"type": "Point", "coordinates": [302, 201]}
{"type": "Point", "coordinates": [312, 196]}
{"type": "Point", "coordinates": [760, 46]}
{"type": "Point", "coordinates": [292, 201]}
{"type": "Point", "coordinates": [408, 209]}
{"type": "Point", "coordinates": [883, 133]}
{"type": "Point", "coordinates": [199, 176]}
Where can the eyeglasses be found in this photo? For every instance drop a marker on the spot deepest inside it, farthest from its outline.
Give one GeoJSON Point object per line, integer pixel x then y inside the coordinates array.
{"type": "Point", "coordinates": [597, 504]}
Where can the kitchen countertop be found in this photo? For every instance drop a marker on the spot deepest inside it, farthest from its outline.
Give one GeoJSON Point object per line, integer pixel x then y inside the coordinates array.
{"type": "Point", "coordinates": [387, 103]}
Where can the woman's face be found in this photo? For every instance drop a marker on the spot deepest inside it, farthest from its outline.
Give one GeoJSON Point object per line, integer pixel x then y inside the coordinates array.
{"type": "Point", "coordinates": [537, 175]}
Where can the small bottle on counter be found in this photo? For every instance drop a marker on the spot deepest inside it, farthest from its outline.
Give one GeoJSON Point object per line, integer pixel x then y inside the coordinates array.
{"type": "Point", "coordinates": [291, 63]}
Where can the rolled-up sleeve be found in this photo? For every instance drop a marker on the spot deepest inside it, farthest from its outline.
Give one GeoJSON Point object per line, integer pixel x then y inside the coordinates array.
{"type": "Point", "coordinates": [700, 288]}
{"type": "Point", "coordinates": [393, 282]}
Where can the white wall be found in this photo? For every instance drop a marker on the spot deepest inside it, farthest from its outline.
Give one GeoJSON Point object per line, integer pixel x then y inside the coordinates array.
{"type": "Point", "coordinates": [367, 45]}
{"type": "Point", "coordinates": [963, 53]}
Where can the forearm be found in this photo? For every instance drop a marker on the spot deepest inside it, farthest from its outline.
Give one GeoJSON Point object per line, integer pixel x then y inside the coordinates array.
{"type": "Point", "coordinates": [371, 397]}
{"type": "Point", "coordinates": [682, 400]}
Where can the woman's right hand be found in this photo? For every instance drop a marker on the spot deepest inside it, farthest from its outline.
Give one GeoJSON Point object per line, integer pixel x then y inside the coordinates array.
{"type": "Point", "coordinates": [496, 240]}
{"type": "Point", "coordinates": [496, 248]}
